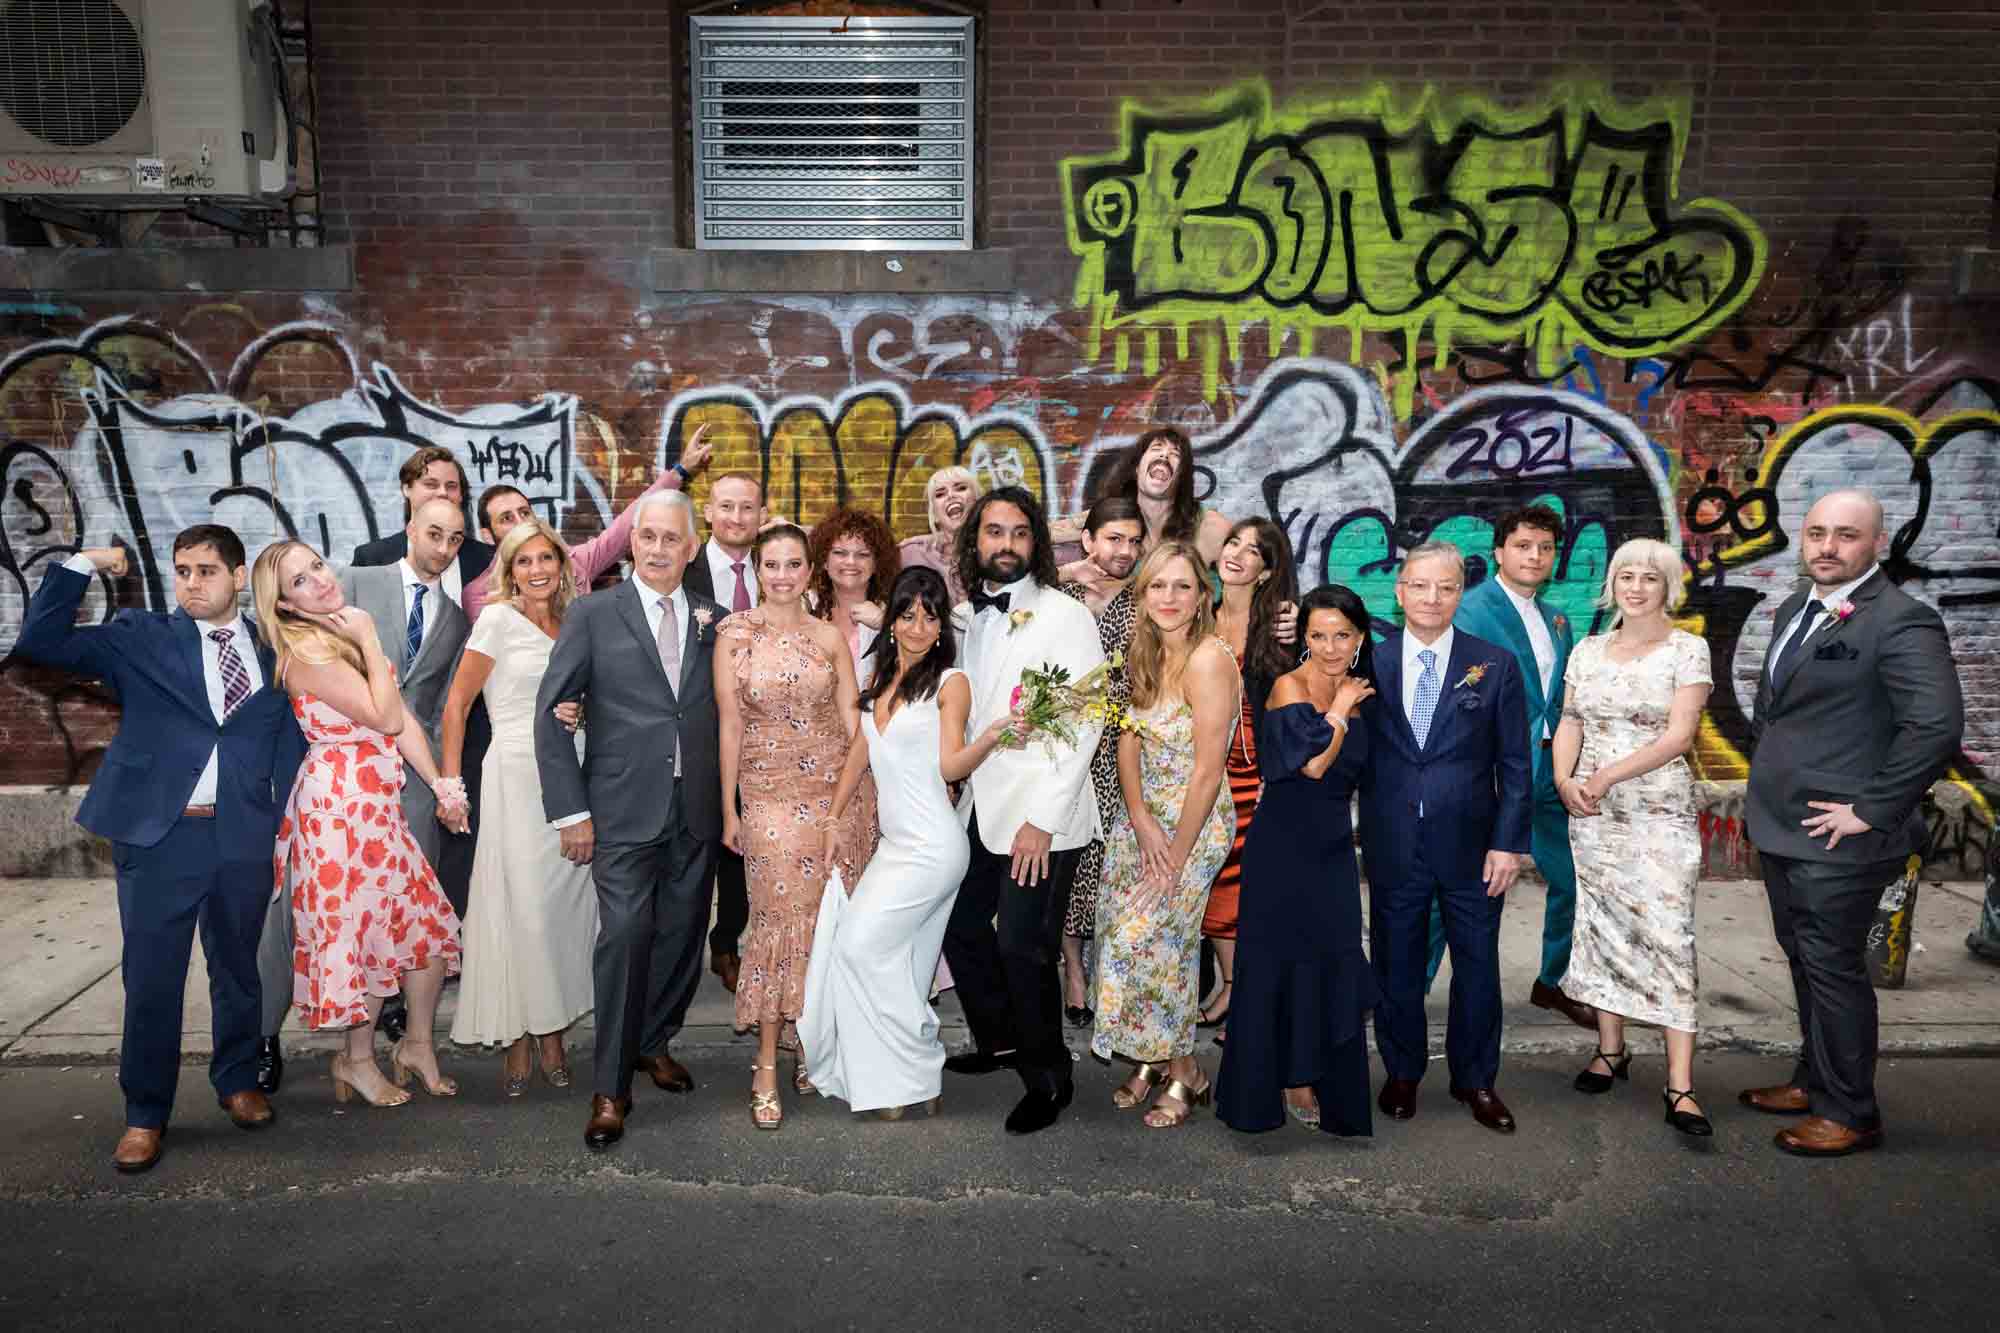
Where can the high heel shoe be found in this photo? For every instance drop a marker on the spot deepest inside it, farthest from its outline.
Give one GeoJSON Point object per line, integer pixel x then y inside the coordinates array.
{"type": "Point", "coordinates": [766, 1111]}
{"type": "Point", "coordinates": [557, 1077]}
{"type": "Point", "coordinates": [1619, 1063]}
{"type": "Point", "coordinates": [898, 1112]}
{"type": "Point", "coordinates": [1305, 1115]}
{"type": "Point", "coordinates": [511, 1083]}
{"type": "Point", "coordinates": [800, 1083]}
{"type": "Point", "coordinates": [1693, 1123]}
{"type": "Point", "coordinates": [1206, 1020]}
{"type": "Point", "coordinates": [1163, 1116]}
{"type": "Point", "coordinates": [1152, 1076]}
{"type": "Point", "coordinates": [345, 1087]}
{"type": "Point", "coordinates": [403, 1071]}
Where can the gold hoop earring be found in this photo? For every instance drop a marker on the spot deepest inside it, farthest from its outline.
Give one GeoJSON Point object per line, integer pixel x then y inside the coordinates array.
{"type": "Point", "coordinates": [1306, 655]}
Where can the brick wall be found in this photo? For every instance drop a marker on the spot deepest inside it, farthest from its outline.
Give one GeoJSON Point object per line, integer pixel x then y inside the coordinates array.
{"type": "Point", "coordinates": [503, 169]}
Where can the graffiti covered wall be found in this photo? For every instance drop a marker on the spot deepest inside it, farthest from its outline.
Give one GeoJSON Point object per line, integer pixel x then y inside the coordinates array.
{"type": "Point", "coordinates": [1383, 318]}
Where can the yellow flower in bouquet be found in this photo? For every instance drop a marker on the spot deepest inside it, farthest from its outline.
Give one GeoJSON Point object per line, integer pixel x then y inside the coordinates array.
{"type": "Point", "coordinates": [1051, 704]}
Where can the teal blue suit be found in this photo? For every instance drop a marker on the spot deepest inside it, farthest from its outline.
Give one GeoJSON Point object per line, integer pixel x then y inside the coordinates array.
{"type": "Point", "coordinates": [1489, 613]}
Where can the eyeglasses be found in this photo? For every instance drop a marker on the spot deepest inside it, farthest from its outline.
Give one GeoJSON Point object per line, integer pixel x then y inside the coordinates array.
{"type": "Point", "coordinates": [1425, 587]}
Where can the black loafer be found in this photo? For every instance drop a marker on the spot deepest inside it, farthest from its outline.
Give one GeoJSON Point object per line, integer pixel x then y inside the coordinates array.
{"type": "Point", "coordinates": [1036, 1112]}
{"type": "Point", "coordinates": [270, 1066]}
{"type": "Point", "coordinates": [980, 1062]}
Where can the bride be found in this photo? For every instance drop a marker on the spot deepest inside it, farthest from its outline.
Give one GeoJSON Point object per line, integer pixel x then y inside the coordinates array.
{"type": "Point", "coordinates": [868, 1029]}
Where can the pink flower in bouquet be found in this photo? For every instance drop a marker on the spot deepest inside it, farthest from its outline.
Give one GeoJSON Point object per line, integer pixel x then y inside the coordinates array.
{"type": "Point", "coordinates": [1014, 699]}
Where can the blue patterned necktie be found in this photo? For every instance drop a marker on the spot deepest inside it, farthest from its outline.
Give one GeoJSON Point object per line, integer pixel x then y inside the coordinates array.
{"type": "Point", "coordinates": [1427, 697]}
{"type": "Point", "coordinates": [413, 633]}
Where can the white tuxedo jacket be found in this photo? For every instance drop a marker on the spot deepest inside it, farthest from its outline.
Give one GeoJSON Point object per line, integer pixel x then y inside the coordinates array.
{"type": "Point", "coordinates": [1026, 786]}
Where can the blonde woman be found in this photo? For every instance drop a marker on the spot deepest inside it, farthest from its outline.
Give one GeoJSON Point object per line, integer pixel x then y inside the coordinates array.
{"type": "Point", "coordinates": [1632, 698]}
{"type": "Point", "coordinates": [1172, 837]}
{"type": "Point", "coordinates": [370, 919]}
{"type": "Point", "coordinates": [532, 914]}
{"type": "Point", "coordinates": [948, 499]}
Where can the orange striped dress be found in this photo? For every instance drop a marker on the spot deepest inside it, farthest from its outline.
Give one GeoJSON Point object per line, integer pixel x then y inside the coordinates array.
{"type": "Point", "coordinates": [1245, 786]}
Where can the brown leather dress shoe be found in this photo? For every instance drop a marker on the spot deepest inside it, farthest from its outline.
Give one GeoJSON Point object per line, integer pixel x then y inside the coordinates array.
{"type": "Point", "coordinates": [1816, 1136]}
{"type": "Point", "coordinates": [1487, 1108]}
{"type": "Point", "coordinates": [1399, 1098]}
{"type": "Point", "coordinates": [728, 966]}
{"type": "Point", "coordinates": [1783, 1099]}
{"type": "Point", "coordinates": [249, 1109]}
{"type": "Point", "coordinates": [668, 1073]}
{"type": "Point", "coordinates": [607, 1121]}
{"type": "Point", "coordinates": [1551, 997]}
{"type": "Point", "coordinates": [138, 1150]}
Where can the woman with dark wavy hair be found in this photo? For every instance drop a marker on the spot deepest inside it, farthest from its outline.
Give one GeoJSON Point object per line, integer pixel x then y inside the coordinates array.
{"type": "Point", "coordinates": [854, 560]}
{"type": "Point", "coordinates": [870, 1034]}
{"type": "Point", "coordinates": [1303, 984]}
{"type": "Point", "coordinates": [1259, 588]}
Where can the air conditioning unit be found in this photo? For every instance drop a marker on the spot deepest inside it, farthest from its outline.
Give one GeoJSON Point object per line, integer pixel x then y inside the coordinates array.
{"type": "Point", "coordinates": [142, 103]}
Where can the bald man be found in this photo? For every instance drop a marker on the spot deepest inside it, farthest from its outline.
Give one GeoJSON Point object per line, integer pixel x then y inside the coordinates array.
{"type": "Point", "coordinates": [1858, 711]}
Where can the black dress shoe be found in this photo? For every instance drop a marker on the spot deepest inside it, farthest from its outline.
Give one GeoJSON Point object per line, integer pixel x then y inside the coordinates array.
{"type": "Point", "coordinates": [1399, 1098]}
{"type": "Point", "coordinates": [1487, 1108]}
{"type": "Point", "coordinates": [394, 1018]}
{"type": "Point", "coordinates": [980, 1062]}
{"type": "Point", "coordinates": [1590, 1081]}
{"type": "Point", "coordinates": [270, 1066]}
{"type": "Point", "coordinates": [1037, 1111]}
{"type": "Point", "coordinates": [1079, 1016]}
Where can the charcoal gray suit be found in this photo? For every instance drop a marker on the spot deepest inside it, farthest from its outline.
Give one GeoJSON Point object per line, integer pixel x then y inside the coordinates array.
{"type": "Point", "coordinates": [1866, 709]}
{"type": "Point", "coordinates": [656, 834]}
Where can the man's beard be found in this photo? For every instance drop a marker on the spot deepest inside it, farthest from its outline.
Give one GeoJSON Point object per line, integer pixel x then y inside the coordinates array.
{"type": "Point", "coordinates": [1114, 573]}
{"type": "Point", "coordinates": [990, 570]}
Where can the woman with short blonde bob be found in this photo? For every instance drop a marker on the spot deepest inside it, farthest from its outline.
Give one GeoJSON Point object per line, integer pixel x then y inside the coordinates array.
{"type": "Point", "coordinates": [1170, 840]}
{"type": "Point", "coordinates": [532, 913]}
{"type": "Point", "coordinates": [370, 918]}
{"type": "Point", "coordinates": [948, 498]}
{"type": "Point", "coordinates": [1632, 699]}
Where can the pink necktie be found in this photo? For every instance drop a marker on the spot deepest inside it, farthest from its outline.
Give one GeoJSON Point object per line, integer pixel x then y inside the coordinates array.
{"type": "Point", "coordinates": [670, 660]}
{"type": "Point", "coordinates": [741, 601]}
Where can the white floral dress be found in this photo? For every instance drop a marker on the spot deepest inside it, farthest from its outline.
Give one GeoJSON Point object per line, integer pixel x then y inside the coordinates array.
{"type": "Point", "coordinates": [1637, 862]}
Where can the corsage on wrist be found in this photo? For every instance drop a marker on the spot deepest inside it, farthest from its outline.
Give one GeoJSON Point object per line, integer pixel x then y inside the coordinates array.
{"type": "Point", "coordinates": [450, 791]}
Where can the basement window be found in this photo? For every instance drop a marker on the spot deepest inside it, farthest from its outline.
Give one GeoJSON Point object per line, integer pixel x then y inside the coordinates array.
{"type": "Point", "coordinates": [812, 134]}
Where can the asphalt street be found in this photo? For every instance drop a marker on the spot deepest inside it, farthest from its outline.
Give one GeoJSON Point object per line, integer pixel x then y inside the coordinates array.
{"type": "Point", "coordinates": [481, 1212]}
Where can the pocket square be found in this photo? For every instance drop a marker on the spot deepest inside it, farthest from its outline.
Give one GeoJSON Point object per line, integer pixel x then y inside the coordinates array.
{"type": "Point", "coordinates": [1834, 652]}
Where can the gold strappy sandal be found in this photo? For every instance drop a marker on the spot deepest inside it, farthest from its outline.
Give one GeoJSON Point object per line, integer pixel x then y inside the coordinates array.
{"type": "Point", "coordinates": [1163, 1116]}
{"type": "Point", "coordinates": [1151, 1075]}
{"type": "Point", "coordinates": [766, 1111]}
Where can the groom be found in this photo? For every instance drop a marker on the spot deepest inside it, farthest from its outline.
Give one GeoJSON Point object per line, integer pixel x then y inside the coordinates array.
{"type": "Point", "coordinates": [644, 807]}
{"type": "Point", "coordinates": [1029, 813]}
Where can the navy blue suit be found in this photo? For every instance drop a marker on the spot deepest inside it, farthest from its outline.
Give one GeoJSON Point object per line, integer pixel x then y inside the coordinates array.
{"type": "Point", "coordinates": [176, 872]}
{"type": "Point", "coordinates": [1429, 815]}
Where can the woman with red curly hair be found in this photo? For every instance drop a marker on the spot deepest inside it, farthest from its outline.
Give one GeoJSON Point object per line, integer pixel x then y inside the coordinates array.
{"type": "Point", "coordinates": [854, 562]}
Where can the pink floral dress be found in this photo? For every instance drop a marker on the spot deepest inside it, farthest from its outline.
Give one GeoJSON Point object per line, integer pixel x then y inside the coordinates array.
{"type": "Point", "coordinates": [366, 906]}
{"type": "Point", "coordinates": [794, 743]}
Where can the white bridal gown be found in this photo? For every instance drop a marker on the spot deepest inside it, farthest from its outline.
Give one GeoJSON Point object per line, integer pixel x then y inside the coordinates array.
{"type": "Point", "coordinates": [869, 1032]}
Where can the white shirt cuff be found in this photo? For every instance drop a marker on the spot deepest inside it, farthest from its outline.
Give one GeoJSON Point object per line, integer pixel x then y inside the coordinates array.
{"type": "Point", "coordinates": [567, 820]}
{"type": "Point", "coordinates": [80, 564]}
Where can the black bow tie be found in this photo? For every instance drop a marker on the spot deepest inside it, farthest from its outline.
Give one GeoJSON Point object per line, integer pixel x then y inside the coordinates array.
{"type": "Point", "coordinates": [998, 601]}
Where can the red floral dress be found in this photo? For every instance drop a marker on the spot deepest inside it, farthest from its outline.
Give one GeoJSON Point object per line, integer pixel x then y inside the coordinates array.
{"type": "Point", "coordinates": [366, 905]}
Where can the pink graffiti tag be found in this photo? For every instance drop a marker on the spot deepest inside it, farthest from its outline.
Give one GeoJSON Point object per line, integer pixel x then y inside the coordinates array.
{"type": "Point", "coordinates": [21, 171]}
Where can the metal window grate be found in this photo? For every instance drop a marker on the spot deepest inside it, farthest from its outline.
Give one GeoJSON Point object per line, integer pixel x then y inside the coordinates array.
{"type": "Point", "coordinates": [817, 135]}
{"type": "Point", "coordinates": [71, 71]}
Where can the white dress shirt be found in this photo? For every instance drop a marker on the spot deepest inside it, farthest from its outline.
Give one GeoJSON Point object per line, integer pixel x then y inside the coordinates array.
{"type": "Point", "coordinates": [1412, 668]}
{"type": "Point", "coordinates": [411, 581]}
{"type": "Point", "coordinates": [722, 570]}
{"type": "Point", "coordinates": [1539, 639]}
{"type": "Point", "coordinates": [1829, 600]}
{"type": "Point", "coordinates": [452, 583]}
{"type": "Point", "coordinates": [211, 676]}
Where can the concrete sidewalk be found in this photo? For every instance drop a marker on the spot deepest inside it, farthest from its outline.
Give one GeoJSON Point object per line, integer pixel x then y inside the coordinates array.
{"type": "Point", "coordinates": [61, 1000]}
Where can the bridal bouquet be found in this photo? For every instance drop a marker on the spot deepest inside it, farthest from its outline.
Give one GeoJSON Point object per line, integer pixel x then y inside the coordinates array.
{"type": "Point", "coordinates": [1052, 704]}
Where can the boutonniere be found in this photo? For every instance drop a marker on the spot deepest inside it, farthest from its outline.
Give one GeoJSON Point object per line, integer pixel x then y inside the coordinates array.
{"type": "Point", "coordinates": [1842, 610]}
{"type": "Point", "coordinates": [1016, 619]}
{"type": "Point", "coordinates": [1473, 676]}
{"type": "Point", "coordinates": [703, 618]}
{"type": "Point", "coordinates": [1562, 622]}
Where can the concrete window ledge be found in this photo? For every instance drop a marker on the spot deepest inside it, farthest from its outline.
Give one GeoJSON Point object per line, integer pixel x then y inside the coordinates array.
{"type": "Point", "coordinates": [833, 271]}
{"type": "Point", "coordinates": [94, 270]}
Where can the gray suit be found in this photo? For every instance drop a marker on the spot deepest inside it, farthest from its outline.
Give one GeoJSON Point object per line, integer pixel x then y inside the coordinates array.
{"type": "Point", "coordinates": [656, 834]}
{"type": "Point", "coordinates": [1869, 711]}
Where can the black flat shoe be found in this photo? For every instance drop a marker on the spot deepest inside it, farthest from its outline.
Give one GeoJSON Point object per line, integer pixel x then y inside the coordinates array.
{"type": "Point", "coordinates": [980, 1062]}
{"type": "Point", "coordinates": [1078, 1016]}
{"type": "Point", "coordinates": [270, 1066]}
{"type": "Point", "coordinates": [1687, 1122]}
{"type": "Point", "coordinates": [1591, 1081]}
{"type": "Point", "coordinates": [1036, 1112]}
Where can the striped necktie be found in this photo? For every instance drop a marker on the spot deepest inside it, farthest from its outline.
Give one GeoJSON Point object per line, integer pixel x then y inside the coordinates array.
{"type": "Point", "coordinates": [235, 680]}
{"type": "Point", "coordinates": [1427, 697]}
